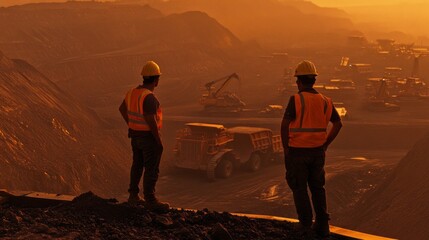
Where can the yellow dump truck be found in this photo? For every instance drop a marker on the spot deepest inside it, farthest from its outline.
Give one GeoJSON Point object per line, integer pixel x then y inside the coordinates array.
{"type": "Point", "coordinates": [219, 151]}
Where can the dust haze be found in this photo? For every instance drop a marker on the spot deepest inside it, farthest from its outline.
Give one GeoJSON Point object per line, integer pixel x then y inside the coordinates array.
{"type": "Point", "coordinates": [398, 19]}
{"type": "Point", "coordinates": [66, 66]}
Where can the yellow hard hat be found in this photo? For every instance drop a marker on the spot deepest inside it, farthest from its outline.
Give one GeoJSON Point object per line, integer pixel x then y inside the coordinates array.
{"type": "Point", "coordinates": [305, 68]}
{"type": "Point", "coordinates": [150, 69]}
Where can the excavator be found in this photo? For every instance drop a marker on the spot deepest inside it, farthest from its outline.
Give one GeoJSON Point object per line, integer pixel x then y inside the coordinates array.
{"type": "Point", "coordinates": [218, 99]}
{"type": "Point", "coordinates": [379, 101]}
{"type": "Point", "coordinates": [412, 89]}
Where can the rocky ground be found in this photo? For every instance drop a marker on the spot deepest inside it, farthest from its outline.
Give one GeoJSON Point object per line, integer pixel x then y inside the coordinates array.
{"type": "Point", "coordinates": [91, 217]}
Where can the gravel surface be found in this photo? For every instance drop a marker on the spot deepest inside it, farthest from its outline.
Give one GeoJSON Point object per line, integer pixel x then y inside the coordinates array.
{"type": "Point", "coordinates": [91, 217]}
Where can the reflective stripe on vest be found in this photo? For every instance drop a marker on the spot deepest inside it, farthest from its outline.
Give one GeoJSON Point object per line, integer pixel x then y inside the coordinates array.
{"type": "Point", "coordinates": [134, 101]}
{"type": "Point", "coordinates": [308, 130]}
{"type": "Point", "coordinates": [313, 112]}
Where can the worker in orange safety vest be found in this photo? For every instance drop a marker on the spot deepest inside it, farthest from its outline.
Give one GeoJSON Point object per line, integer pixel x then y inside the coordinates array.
{"type": "Point", "coordinates": [142, 113]}
{"type": "Point", "coordinates": [305, 138]}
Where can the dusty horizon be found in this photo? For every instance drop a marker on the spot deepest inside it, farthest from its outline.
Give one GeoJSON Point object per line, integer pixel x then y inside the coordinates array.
{"type": "Point", "coordinates": [364, 13]}
{"type": "Point", "coordinates": [336, 3]}
{"type": "Point", "coordinates": [322, 3]}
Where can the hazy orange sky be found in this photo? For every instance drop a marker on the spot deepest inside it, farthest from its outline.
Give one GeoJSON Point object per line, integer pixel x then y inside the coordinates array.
{"type": "Point", "coordinates": [339, 3]}
{"type": "Point", "coordinates": [408, 16]}
{"type": "Point", "coordinates": [328, 3]}
{"type": "Point", "coordinates": [387, 16]}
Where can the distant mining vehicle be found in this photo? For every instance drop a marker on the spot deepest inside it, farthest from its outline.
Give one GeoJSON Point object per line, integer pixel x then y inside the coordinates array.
{"type": "Point", "coordinates": [219, 151]}
{"type": "Point", "coordinates": [340, 89]}
{"type": "Point", "coordinates": [218, 99]}
{"type": "Point", "coordinates": [272, 110]}
{"type": "Point", "coordinates": [392, 73]}
{"type": "Point", "coordinates": [371, 86]}
{"type": "Point", "coordinates": [411, 89]}
{"type": "Point", "coordinates": [341, 109]}
{"type": "Point", "coordinates": [341, 84]}
{"type": "Point", "coordinates": [379, 101]}
{"type": "Point", "coordinates": [361, 71]}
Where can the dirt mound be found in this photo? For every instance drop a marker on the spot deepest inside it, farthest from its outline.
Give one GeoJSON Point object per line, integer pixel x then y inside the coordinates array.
{"type": "Point", "coordinates": [91, 217]}
{"type": "Point", "coordinates": [274, 24]}
{"type": "Point", "coordinates": [401, 200]}
{"type": "Point", "coordinates": [95, 50]}
{"type": "Point", "coordinates": [49, 141]}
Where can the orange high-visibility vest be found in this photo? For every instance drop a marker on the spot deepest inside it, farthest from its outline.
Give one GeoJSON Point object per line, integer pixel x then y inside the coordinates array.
{"type": "Point", "coordinates": [134, 101]}
{"type": "Point", "coordinates": [309, 128]}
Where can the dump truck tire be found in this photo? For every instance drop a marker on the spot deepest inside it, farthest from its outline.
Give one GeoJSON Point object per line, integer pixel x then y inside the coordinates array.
{"type": "Point", "coordinates": [225, 168]}
{"type": "Point", "coordinates": [211, 168]}
{"type": "Point", "coordinates": [255, 162]}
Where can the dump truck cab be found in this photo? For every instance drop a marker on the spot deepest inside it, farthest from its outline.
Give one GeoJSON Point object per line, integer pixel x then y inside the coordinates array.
{"type": "Point", "coordinates": [202, 146]}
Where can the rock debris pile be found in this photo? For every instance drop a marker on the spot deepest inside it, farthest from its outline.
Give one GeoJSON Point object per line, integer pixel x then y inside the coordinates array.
{"type": "Point", "coordinates": [91, 217]}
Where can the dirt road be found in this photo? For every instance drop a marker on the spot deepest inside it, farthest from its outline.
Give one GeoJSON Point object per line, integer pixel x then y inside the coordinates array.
{"type": "Point", "coordinates": [349, 175]}
{"type": "Point", "coordinates": [361, 157]}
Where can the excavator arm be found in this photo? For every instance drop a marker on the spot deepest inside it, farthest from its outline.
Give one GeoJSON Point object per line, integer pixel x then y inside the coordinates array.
{"type": "Point", "coordinates": [382, 92]}
{"type": "Point", "coordinates": [225, 80]}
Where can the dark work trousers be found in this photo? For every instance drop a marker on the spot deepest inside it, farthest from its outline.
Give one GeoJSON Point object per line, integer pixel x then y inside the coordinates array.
{"type": "Point", "coordinates": [305, 167]}
{"type": "Point", "coordinates": [146, 158]}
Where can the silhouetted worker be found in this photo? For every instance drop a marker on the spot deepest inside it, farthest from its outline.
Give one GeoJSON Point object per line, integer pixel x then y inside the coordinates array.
{"type": "Point", "coordinates": [305, 139]}
{"type": "Point", "coordinates": [141, 110]}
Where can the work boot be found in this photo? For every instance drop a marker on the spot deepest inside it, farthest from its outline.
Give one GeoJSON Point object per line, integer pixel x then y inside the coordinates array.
{"type": "Point", "coordinates": [135, 199]}
{"type": "Point", "coordinates": [300, 227]}
{"type": "Point", "coordinates": [157, 206]}
{"type": "Point", "coordinates": [321, 228]}
{"type": "Point", "coordinates": [304, 231]}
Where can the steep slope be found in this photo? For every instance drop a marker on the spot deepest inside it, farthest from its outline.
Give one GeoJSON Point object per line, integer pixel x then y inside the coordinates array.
{"type": "Point", "coordinates": [398, 207]}
{"type": "Point", "coordinates": [275, 24]}
{"type": "Point", "coordinates": [49, 142]}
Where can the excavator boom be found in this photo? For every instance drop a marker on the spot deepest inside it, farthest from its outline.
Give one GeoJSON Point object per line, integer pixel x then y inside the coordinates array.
{"type": "Point", "coordinates": [226, 80]}
{"type": "Point", "coordinates": [217, 99]}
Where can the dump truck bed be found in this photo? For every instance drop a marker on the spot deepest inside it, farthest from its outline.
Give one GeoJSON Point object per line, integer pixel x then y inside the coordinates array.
{"type": "Point", "coordinates": [260, 137]}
